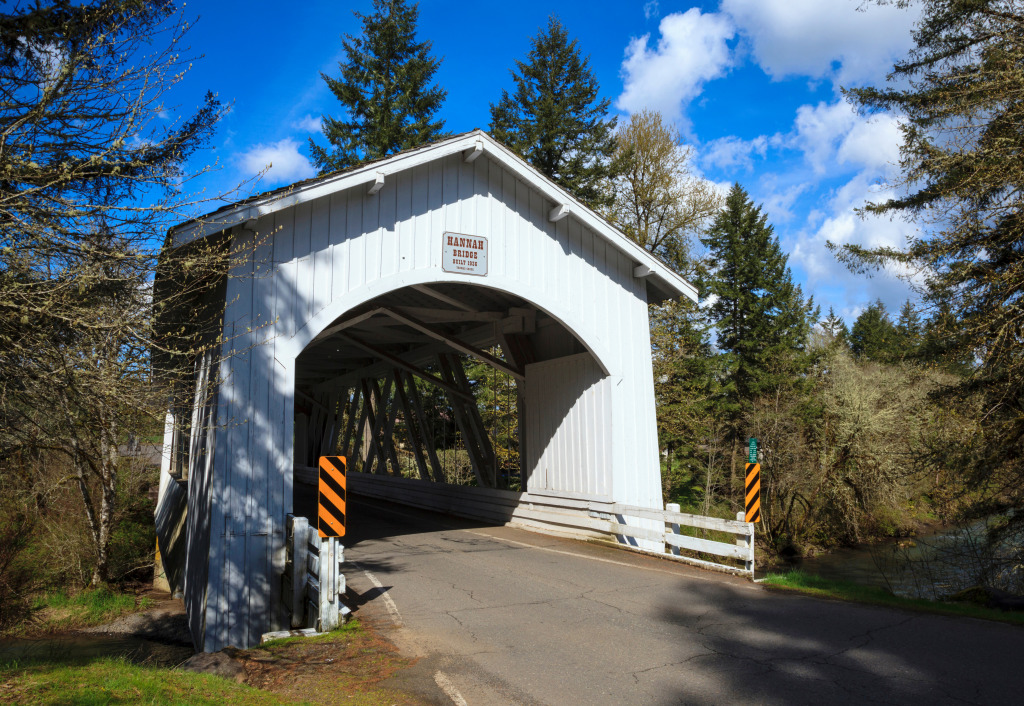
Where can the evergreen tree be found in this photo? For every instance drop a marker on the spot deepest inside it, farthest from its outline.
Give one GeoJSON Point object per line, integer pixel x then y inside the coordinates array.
{"type": "Point", "coordinates": [762, 318]}
{"type": "Point", "coordinates": [554, 119]}
{"type": "Point", "coordinates": [835, 329]}
{"type": "Point", "coordinates": [873, 335]}
{"type": "Point", "coordinates": [385, 90]}
{"type": "Point", "coordinates": [959, 98]}
{"type": "Point", "coordinates": [908, 331]}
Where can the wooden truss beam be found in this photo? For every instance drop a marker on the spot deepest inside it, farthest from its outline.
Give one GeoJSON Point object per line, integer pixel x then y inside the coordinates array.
{"type": "Point", "coordinates": [424, 427]}
{"type": "Point", "coordinates": [454, 342]}
{"type": "Point", "coordinates": [409, 367]}
{"type": "Point", "coordinates": [411, 426]}
{"type": "Point", "coordinates": [451, 301]}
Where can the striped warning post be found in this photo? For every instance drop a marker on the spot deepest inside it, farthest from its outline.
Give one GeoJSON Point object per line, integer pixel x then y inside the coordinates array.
{"type": "Point", "coordinates": [753, 506]}
{"type": "Point", "coordinates": [331, 513]}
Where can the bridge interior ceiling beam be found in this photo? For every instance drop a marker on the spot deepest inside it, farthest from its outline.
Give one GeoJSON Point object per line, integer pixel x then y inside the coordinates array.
{"type": "Point", "coordinates": [408, 328]}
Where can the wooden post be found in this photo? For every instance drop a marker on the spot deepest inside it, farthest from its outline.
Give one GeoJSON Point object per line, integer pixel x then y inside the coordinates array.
{"type": "Point", "coordinates": [673, 507]}
{"type": "Point", "coordinates": [746, 541]}
{"type": "Point", "coordinates": [295, 580]}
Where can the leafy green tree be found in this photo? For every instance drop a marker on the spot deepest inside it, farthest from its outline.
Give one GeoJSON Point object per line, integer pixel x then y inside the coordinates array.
{"type": "Point", "coordinates": [385, 90]}
{"type": "Point", "coordinates": [959, 95]}
{"type": "Point", "coordinates": [873, 335]}
{"type": "Point", "coordinates": [687, 392]}
{"type": "Point", "coordinates": [554, 118]}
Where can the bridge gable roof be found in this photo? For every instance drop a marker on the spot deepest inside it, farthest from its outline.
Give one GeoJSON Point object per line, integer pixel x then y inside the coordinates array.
{"type": "Point", "coordinates": [473, 145]}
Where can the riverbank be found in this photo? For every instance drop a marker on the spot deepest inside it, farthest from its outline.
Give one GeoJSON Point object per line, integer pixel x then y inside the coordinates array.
{"type": "Point", "coordinates": [809, 584]}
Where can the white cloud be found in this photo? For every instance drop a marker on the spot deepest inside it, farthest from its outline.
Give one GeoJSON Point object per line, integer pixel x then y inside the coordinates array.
{"type": "Point", "coordinates": [308, 123]}
{"type": "Point", "coordinates": [824, 38]}
{"type": "Point", "coordinates": [286, 163]}
{"type": "Point", "coordinates": [842, 225]}
{"type": "Point", "coordinates": [733, 152]}
{"type": "Point", "coordinates": [831, 134]}
{"type": "Point", "coordinates": [779, 202]}
{"type": "Point", "coordinates": [650, 9]}
{"type": "Point", "coordinates": [692, 49]}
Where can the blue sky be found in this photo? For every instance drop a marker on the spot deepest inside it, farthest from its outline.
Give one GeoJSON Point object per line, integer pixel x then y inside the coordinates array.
{"type": "Point", "coordinates": [753, 86]}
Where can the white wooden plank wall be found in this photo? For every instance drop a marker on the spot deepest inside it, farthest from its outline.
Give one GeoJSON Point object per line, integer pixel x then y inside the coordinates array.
{"type": "Point", "coordinates": [335, 253]}
{"type": "Point", "coordinates": [568, 417]}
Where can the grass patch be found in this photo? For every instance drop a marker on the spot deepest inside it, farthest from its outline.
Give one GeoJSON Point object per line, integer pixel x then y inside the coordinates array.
{"type": "Point", "coordinates": [352, 629]}
{"type": "Point", "coordinates": [113, 681]}
{"type": "Point", "coordinates": [59, 610]}
{"type": "Point", "coordinates": [812, 585]}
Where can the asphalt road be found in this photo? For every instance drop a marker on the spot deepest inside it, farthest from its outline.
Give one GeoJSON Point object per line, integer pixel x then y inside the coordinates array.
{"type": "Point", "coordinates": [503, 616]}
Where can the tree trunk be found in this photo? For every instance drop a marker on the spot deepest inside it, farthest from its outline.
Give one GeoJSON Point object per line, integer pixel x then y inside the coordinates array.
{"type": "Point", "coordinates": [108, 481]}
{"type": "Point", "coordinates": [732, 465]}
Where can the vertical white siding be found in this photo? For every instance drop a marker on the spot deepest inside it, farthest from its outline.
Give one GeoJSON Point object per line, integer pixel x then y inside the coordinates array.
{"type": "Point", "coordinates": [569, 414]}
{"type": "Point", "coordinates": [318, 260]}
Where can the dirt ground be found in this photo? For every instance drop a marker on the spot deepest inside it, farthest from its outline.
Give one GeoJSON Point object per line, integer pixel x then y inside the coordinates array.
{"type": "Point", "coordinates": [354, 665]}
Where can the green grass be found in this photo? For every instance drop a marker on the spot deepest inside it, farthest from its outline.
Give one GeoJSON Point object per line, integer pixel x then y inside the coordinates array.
{"type": "Point", "coordinates": [94, 606]}
{"type": "Point", "coordinates": [352, 628]}
{"type": "Point", "coordinates": [113, 681]}
{"type": "Point", "coordinates": [809, 584]}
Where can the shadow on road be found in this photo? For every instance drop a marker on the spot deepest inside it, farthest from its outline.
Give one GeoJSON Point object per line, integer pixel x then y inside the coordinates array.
{"type": "Point", "coordinates": [769, 647]}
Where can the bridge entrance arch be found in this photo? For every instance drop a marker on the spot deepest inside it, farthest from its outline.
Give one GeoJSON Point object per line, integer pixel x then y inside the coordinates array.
{"type": "Point", "coordinates": [365, 292]}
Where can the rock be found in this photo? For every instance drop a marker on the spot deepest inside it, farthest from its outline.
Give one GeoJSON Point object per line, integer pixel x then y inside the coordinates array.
{"type": "Point", "coordinates": [219, 663]}
{"type": "Point", "coordinates": [990, 598]}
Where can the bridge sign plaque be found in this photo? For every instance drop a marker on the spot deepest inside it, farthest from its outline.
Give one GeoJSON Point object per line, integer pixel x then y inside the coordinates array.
{"type": "Point", "coordinates": [464, 254]}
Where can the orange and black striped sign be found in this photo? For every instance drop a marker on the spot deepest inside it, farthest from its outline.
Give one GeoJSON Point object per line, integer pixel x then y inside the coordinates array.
{"type": "Point", "coordinates": [331, 513]}
{"type": "Point", "coordinates": [753, 513]}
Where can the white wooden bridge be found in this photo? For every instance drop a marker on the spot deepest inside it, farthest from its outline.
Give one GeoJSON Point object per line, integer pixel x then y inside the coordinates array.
{"type": "Point", "coordinates": [361, 287]}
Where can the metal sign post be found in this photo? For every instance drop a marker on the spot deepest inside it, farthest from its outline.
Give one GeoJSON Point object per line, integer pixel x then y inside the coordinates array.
{"type": "Point", "coordinates": [753, 485]}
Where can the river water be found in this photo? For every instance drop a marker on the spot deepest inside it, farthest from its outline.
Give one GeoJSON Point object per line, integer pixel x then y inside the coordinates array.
{"type": "Point", "coordinates": [933, 566]}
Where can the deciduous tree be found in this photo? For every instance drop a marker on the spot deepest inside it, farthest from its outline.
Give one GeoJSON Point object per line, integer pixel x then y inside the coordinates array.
{"type": "Point", "coordinates": [659, 202]}
{"type": "Point", "coordinates": [90, 179]}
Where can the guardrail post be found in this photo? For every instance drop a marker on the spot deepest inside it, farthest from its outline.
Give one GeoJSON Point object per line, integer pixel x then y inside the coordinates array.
{"type": "Point", "coordinates": [294, 580]}
{"type": "Point", "coordinates": [673, 507]}
{"type": "Point", "coordinates": [747, 542]}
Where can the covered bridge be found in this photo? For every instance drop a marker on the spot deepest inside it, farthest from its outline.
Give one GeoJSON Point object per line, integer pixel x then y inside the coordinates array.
{"type": "Point", "coordinates": [364, 291]}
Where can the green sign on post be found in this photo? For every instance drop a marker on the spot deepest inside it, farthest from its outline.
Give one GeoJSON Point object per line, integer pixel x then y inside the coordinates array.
{"type": "Point", "coordinates": [753, 451]}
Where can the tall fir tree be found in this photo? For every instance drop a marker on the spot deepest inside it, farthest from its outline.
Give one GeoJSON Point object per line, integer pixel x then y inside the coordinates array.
{"type": "Point", "coordinates": [908, 331]}
{"type": "Point", "coordinates": [873, 335]}
{"type": "Point", "coordinates": [385, 90]}
{"type": "Point", "coordinates": [835, 329]}
{"type": "Point", "coordinates": [555, 120]}
{"type": "Point", "coordinates": [762, 318]}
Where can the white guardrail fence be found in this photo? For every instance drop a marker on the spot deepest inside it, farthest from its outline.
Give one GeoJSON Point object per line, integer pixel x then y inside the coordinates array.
{"type": "Point", "coordinates": [674, 540]}
{"type": "Point", "coordinates": [312, 583]}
